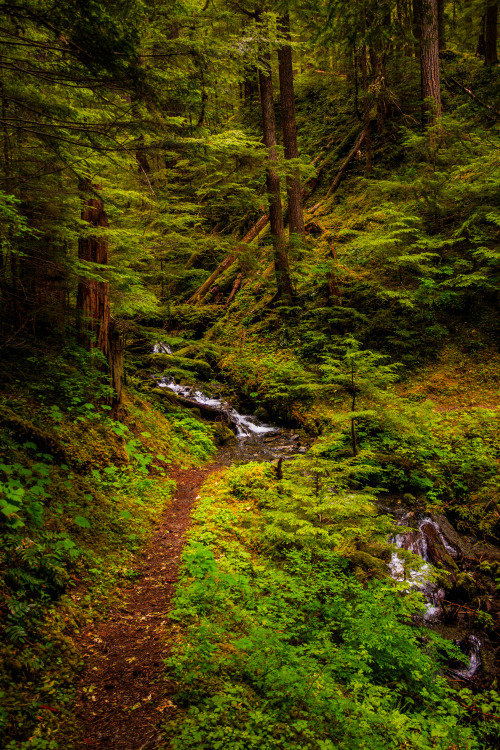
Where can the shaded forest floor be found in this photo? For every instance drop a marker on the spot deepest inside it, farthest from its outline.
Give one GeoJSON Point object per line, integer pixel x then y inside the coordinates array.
{"type": "Point", "coordinates": [457, 381]}
{"type": "Point", "coordinates": [123, 694]}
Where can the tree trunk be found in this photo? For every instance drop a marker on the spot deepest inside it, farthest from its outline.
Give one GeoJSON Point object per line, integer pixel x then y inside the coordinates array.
{"type": "Point", "coordinates": [429, 60]}
{"type": "Point", "coordinates": [490, 34]}
{"type": "Point", "coordinates": [93, 296]}
{"type": "Point", "coordinates": [289, 125]}
{"type": "Point", "coordinates": [281, 266]}
{"type": "Point", "coordinates": [96, 328]}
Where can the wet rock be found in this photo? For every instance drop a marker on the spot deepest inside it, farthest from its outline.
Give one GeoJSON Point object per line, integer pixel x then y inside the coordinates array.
{"type": "Point", "coordinates": [222, 434]}
{"type": "Point", "coordinates": [437, 553]}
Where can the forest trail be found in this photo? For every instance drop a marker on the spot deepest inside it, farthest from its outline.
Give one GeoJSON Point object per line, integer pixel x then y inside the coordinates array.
{"type": "Point", "coordinates": [123, 694]}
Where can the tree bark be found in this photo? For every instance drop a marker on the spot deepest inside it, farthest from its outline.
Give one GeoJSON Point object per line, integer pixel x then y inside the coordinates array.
{"type": "Point", "coordinates": [281, 266]}
{"type": "Point", "coordinates": [93, 296]}
{"type": "Point", "coordinates": [490, 34]}
{"type": "Point", "coordinates": [429, 60]}
{"type": "Point", "coordinates": [95, 325]}
{"type": "Point", "coordinates": [289, 125]}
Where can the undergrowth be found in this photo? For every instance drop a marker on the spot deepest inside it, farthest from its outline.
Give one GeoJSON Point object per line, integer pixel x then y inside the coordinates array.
{"type": "Point", "coordinates": [79, 494]}
{"type": "Point", "coordinates": [288, 644]}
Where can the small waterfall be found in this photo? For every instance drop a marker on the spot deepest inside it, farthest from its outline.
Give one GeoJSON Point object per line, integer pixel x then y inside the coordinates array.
{"type": "Point", "coordinates": [420, 541]}
{"type": "Point", "coordinates": [471, 646]}
{"type": "Point", "coordinates": [246, 426]}
{"type": "Point", "coordinates": [424, 540]}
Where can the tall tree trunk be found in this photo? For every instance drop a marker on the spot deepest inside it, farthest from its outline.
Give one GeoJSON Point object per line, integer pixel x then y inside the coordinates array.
{"type": "Point", "coordinates": [94, 315]}
{"type": "Point", "coordinates": [289, 124]}
{"type": "Point", "coordinates": [429, 59]}
{"type": "Point", "coordinates": [281, 266]}
{"type": "Point", "coordinates": [366, 111]}
{"type": "Point", "coordinates": [490, 33]}
{"type": "Point", "coordinates": [93, 296]}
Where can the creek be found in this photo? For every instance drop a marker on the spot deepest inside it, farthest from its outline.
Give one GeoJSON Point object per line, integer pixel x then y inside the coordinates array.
{"type": "Point", "coordinates": [255, 440]}
{"type": "Point", "coordinates": [447, 576]}
{"type": "Point", "coordinates": [433, 539]}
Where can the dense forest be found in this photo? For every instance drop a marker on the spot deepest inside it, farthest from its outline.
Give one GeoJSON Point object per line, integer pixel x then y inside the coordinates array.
{"type": "Point", "coordinates": [249, 376]}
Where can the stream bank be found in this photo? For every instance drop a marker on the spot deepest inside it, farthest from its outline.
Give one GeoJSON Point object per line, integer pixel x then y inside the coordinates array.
{"type": "Point", "coordinates": [458, 576]}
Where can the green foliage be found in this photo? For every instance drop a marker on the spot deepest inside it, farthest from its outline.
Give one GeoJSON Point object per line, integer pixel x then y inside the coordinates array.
{"type": "Point", "coordinates": [71, 516]}
{"type": "Point", "coordinates": [283, 647]}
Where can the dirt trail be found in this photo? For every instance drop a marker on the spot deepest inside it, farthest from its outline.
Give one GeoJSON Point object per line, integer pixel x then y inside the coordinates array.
{"type": "Point", "coordinates": [124, 694]}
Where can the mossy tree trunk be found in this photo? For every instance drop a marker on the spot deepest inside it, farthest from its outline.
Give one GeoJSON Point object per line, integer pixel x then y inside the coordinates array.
{"type": "Point", "coordinates": [95, 325]}
{"type": "Point", "coordinates": [289, 126]}
{"type": "Point", "coordinates": [281, 265]}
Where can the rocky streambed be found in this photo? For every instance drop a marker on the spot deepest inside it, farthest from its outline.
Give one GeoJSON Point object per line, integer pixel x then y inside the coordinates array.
{"type": "Point", "coordinates": [458, 579]}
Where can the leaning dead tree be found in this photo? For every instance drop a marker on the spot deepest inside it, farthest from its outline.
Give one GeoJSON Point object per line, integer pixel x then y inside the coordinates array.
{"type": "Point", "coordinates": [254, 232]}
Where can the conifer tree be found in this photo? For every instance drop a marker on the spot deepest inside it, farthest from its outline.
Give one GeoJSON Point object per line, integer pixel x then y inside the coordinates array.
{"type": "Point", "coordinates": [294, 191]}
{"type": "Point", "coordinates": [281, 264]}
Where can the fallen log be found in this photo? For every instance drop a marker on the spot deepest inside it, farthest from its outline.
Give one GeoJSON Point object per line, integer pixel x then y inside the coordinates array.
{"type": "Point", "coordinates": [229, 259]}
{"type": "Point", "coordinates": [234, 290]}
{"type": "Point", "coordinates": [352, 153]}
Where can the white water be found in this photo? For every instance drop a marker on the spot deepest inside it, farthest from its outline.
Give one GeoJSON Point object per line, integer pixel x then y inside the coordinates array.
{"type": "Point", "coordinates": [472, 647]}
{"type": "Point", "coordinates": [417, 542]}
{"type": "Point", "coordinates": [422, 578]}
{"type": "Point", "coordinates": [246, 426]}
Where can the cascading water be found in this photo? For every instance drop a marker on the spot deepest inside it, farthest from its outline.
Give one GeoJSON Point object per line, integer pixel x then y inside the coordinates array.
{"type": "Point", "coordinates": [421, 541]}
{"type": "Point", "coordinates": [255, 439]}
{"type": "Point", "coordinates": [245, 425]}
{"type": "Point", "coordinates": [161, 348]}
